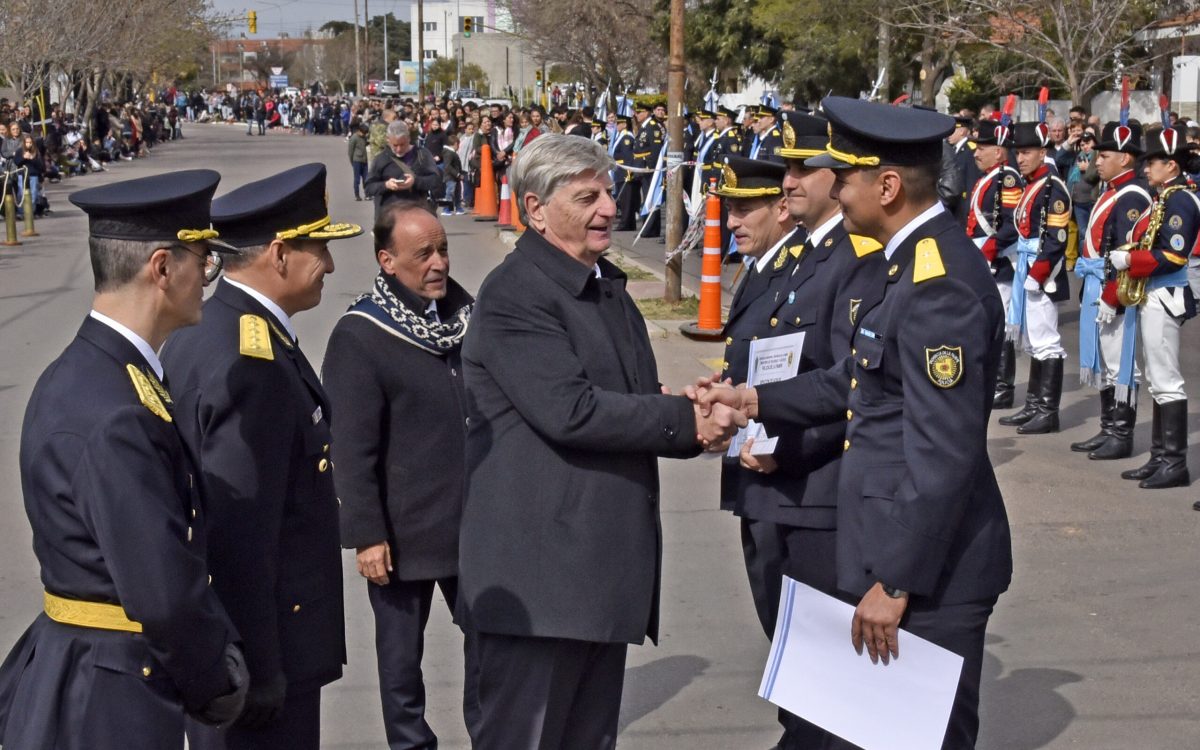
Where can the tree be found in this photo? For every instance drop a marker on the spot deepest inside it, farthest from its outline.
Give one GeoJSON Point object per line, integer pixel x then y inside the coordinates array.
{"type": "Point", "coordinates": [443, 72]}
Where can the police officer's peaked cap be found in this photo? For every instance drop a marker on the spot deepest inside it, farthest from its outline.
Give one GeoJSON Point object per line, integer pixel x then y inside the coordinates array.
{"type": "Point", "coordinates": [290, 205]}
{"type": "Point", "coordinates": [750, 178]}
{"type": "Point", "coordinates": [1031, 135]}
{"type": "Point", "coordinates": [869, 134]}
{"type": "Point", "coordinates": [1125, 139]}
{"type": "Point", "coordinates": [625, 119]}
{"type": "Point", "coordinates": [727, 112]}
{"type": "Point", "coordinates": [765, 110]}
{"type": "Point", "coordinates": [804, 135]}
{"type": "Point", "coordinates": [705, 112]}
{"type": "Point", "coordinates": [641, 107]}
{"type": "Point", "coordinates": [171, 207]}
{"type": "Point", "coordinates": [992, 133]}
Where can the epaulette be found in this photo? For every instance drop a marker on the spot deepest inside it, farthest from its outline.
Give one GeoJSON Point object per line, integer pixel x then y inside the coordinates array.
{"type": "Point", "coordinates": [928, 262]}
{"type": "Point", "coordinates": [864, 246]}
{"type": "Point", "coordinates": [795, 250]}
{"type": "Point", "coordinates": [255, 338]}
{"type": "Point", "coordinates": [775, 132]}
{"type": "Point", "coordinates": [147, 393]}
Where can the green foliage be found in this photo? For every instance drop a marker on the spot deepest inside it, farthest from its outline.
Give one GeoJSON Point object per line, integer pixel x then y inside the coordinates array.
{"type": "Point", "coordinates": [970, 92]}
{"type": "Point", "coordinates": [336, 28]}
{"type": "Point", "coordinates": [444, 72]}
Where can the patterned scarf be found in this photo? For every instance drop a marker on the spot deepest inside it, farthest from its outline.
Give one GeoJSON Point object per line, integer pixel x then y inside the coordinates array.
{"type": "Point", "coordinates": [435, 338]}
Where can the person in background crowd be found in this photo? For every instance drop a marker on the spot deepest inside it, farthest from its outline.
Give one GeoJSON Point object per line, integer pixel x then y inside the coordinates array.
{"type": "Point", "coordinates": [452, 173]}
{"type": "Point", "coordinates": [404, 172]}
{"type": "Point", "coordinates": [357, 148]}
{"type": "Point", "coordinates": [466, 153]}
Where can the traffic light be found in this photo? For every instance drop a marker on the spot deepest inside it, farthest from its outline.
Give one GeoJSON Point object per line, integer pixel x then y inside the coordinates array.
{"type": "Point", "coordinates": [468, 25]}
{"type": "Point", "coordinates": [252, 21]}
{"type": "Point", "coordinates": [538, 75]}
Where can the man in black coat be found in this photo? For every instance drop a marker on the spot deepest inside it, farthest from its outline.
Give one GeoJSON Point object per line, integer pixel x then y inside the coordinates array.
{"type": "Point", "coordinates": [403, 171]}
{"type": "Point", "coordinates": [132, 637]}
{"type": "Point", "coordinates": [923, 539]}
{"type": "Point", "coordinates": [560, 553]}
{"type": "Point", "coordinates": [255, 419]}
{"type": "Point", "coordinates": [394, 376]}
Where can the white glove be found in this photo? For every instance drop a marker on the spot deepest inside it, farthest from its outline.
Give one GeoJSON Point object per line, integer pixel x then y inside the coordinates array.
{"type": "Point", "coordinates": [1119, 259]}
{"type": "Point", "coordinates": [1032, 285]}
{"type": "Point", "coordinates": [1105, 314]}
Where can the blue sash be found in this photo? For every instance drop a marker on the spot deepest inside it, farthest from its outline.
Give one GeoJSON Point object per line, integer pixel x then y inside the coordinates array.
{"type": "Point", "coordinates": [1125, 382]}
{"type": "Point", "coordinates": [1027, 250]}
{"type": "Point", "coordinates": [1091, 270]}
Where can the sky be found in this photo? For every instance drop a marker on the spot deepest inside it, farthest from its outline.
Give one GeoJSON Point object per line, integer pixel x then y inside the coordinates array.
{"type": "Point", "coordinates": [294, 16]}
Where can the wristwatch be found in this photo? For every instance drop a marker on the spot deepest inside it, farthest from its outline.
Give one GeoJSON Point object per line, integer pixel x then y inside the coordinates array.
{"type": "Point", "coordinates": [893, 592]}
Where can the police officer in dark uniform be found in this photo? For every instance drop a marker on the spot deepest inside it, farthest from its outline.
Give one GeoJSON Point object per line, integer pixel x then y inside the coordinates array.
{"type": "Point", "coordinates": [964, 164]}
{"type": "Point", "coordinates": [767, 139]}
{"type": "Point", "coordinates": [728, 143]}
{"type": "Point", "coordinates": [650, 139]}
{"type": "Point", "coordinates": [923, 539]}
{"type": "Point", "coordinates": [256, 420]}
{"type": "Point", "coordinates": [627, 186]}
{"type": "Point", "coordinates": [132, 636]}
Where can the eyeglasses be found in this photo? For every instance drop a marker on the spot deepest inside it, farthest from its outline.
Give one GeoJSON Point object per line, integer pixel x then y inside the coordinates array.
{"type": "Point", "coordinates": [213, 262]}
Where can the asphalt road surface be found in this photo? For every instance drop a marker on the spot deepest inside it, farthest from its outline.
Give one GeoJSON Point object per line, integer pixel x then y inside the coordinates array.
{"type": "Point", "coordinates": [1094, 646]}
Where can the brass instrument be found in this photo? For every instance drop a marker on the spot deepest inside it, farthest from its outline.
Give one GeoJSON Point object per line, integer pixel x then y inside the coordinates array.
{"type": "Point", "coordinates": [1131, 292]}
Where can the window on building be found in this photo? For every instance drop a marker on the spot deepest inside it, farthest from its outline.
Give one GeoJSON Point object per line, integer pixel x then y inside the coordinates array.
{"type": "Point", "coordinates": [431, 54]}
{"type": "Point", "coordinates": [431, 25]}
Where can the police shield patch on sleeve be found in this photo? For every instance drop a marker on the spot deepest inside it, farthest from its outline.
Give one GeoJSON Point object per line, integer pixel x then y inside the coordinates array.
{"type": "Point", "coordinates": [944, 365]}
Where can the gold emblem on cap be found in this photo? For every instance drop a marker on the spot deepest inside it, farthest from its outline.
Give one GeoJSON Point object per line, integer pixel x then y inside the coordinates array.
{"type": "Point", "coordinates": [728, 176]}
{"type": "Point", "coordinates": [789, 135]}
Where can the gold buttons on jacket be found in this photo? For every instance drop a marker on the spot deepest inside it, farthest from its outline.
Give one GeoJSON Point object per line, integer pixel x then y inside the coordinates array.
{"type": "Point", "coordinates": [893, 270]}
{"type": "Point", "coordinates": [146, 671]}
{"type": "Point", "coordinates": [728, 340]}
{"type": "Point", "coordinates": [295, 607]}
{"type": "Point", "coordinates": [774, 322]}
{"type": "Point", "coordinates": [865, 361]}
{"type": "Point", "coordinates": [853, 383]}
{"type": "Point", "coordinates": [323, 465]}
{"type": "Point", "coordinates": [849, 415]}
{"type": "Point", "coordinates": [845, 446]}
{"type": "Point", "coordinates": [325, 448]}
{"type": "Point", "coordinates": [189, 533]}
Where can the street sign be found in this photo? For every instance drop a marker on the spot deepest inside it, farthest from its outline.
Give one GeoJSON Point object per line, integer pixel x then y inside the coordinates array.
{"type": "Point", "coordinates": [279, 82]}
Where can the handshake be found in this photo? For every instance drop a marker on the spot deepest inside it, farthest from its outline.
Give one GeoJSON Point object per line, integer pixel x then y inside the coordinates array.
{"type": "Point", "coordinates": [720, 410]}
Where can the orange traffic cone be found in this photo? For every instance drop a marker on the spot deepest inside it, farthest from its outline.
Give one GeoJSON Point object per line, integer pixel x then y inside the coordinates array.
{"type": "Point", "coordinates": [485, 194]}
{"type": "Point", "coordinates": [708, 327]}
{"type": "Point", "coordinates": [516, 215]}
{"type": "Point", "coordinates": [505, 205]}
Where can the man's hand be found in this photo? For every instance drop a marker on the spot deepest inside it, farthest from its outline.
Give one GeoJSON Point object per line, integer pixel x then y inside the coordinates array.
{"type": "Point", "coordinates": [876, 624]}
{"type": "Point", "coordinates": [715, 429]}
{"type": "Point", "coordinates": [1032, 285]}
{"type": "Point", "coordinates": [1105, 313]}
{"type": "Point", "coordinates": [222, 710]}
{"type": "Point", "coordinates": [741, 398]}
{"type": "Point", "coordinates": [375, 562]}
{"type": "Point", "coordinates": [264, 703]}
{"type": "Point", "coordinates": [1119, 259]}
{"type": "Point", "coordinates": [762, 464]}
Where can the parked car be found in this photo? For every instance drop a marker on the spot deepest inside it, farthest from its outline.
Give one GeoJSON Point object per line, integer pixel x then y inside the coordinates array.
{"type": "Point", "coordinates": [387, 88]}
{"type": "Point", "coordinates": [371, 84]}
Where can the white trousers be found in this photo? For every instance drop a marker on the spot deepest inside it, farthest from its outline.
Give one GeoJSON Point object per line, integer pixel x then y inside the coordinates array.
{"type": "Point", "coordinates": [1005, 289]}
{"type": "Point", "coordinates": [1159, 333]}
{"type": "Point", "coordinates": [1040, 339]}
{"type": "Point", "coordinates": [1110, 352]}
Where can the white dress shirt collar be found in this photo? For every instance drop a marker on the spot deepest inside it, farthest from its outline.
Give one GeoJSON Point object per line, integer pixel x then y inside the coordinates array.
{"type": "Point", "coordinates": [139, 343]}
{"type": "Point", "coordinates": [268, 303]}
{"type": "Point", "coordinates": [818, 234]}
{"type": "Point", "coordinates": [911, 227]}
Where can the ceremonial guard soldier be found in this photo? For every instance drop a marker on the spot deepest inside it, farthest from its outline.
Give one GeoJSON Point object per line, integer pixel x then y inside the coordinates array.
{"type": "Point", "coordinates": [923, 540]}
{"type": "Point", "coordinates": [767, 138]}
{"type": "Point", "coordinates": [256, 420]}
{"type": "Point", "coordinates": [649, 144]}
{"type": "Point", "coordinates": [132, 636]}
{"type": "Point", "coordinates": [1166, 236]}
{"type": "Point", "coordinates": [1041, 216]}
{"type": "Point", "coordinates": [627, 186]}
{"type": "Point", "coordinates": [1109, 228]}
{"type": "Point", "coordinates": [990, 225]}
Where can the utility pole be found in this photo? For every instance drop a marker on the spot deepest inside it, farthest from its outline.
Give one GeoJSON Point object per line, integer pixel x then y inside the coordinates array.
{"type": "Point", "coordinates": [420, 50]}
{"type": "Point", "coordinates": [358, 79]}
{"type": "Point", "coordinates": [367, 40]}
{"type": "Point", "coordinates": [386, 70]}
{"type": "Point", "coordinates": [674, 204]}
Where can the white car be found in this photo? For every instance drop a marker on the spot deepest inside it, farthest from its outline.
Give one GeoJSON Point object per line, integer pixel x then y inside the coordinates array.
{"type": "Point", "coordinates": [388, 88]}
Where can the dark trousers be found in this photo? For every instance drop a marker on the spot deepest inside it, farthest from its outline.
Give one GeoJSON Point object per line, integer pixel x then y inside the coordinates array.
{"type": "Point", "coordinates": [360, 176]}
{"type": "Point", "coordinates": [401, 613]}
{"type": "Point", "coordinates": [297, 728]}
{"type": "Point", "coordinates": [548, 693]}
{"type": "Point", "coordinates": [627, 204]}
{"type": "Point", "coordinates": [772, 551]}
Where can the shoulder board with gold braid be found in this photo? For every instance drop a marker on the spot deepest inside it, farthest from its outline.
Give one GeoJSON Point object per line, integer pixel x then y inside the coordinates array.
{"type": "Point", "coordinates": [864, 246]}
{"type": "Point", "coordinates": [255, 338]}
{"type": "Point", "coordinates": [928, 261]}
{"type": "Point", "coordinates": [147, 394]}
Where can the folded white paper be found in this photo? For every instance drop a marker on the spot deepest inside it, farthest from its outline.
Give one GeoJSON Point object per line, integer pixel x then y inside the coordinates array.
{"type": "Point", "coordinates": [814, 672]}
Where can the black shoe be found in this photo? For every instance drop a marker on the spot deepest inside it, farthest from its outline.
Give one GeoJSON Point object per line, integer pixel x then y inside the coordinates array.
{"type": "Point", "coordinates": [1108, 402]}
{"type": "Point", "coordinates": [1031, 389]}
{"type": "Point", "coordinates": [1119, 443]}
{"type": "Point", "coordinates": [1006, 372]}
{"type": "Point", "coordinates": [1046, 405]}
{"type": "Point", "coordinates": [1156, 449]}
{"type": "Point", "coordinates": [1173, 472]}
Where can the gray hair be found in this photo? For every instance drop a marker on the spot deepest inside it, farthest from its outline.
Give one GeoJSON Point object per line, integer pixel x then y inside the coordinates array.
{"type": "Point", "coordinates": [397, 129]}
{"type": "Point", "coordinates": [551, 160]}
{"type": "Point", "coordinates": [238, 261]}
{"type": "Point", "coordinates": [115, 263]}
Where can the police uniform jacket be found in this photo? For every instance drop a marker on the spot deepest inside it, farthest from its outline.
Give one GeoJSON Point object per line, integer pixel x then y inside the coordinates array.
{"type": "Point", "coordinates": [766, 146]}
{"type": "Point", "coordinates": [399, 436]}
{"type": "Point", "coordinates": [968, 176]}
{"type": "Point", "coordinates": [820, 295]}
{"type": "Point", "coordinates": [918, 504]}
{"type": "Point", "coordinates": [649, 143]}
{"type": "Point", "coordinates": [1043, 213]}
{"type": "Point", "coordinates": [117, 518]}
{"type": "Point", "coordinates": [560, 531]}
{"type": "Point", "coordinates": [990, 206]}
{"type": "Point", "coordinates": [256, 420]}
{"type": "Point", "coordinates": [623, 154]}
{"type": "Point", "coordinates": [729, 143]}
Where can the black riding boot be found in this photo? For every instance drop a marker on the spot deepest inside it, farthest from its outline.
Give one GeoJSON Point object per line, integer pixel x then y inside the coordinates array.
{"type": "Point", "coordinates": [1108, 401]}
{"type": "Point", "coordinates": [1174, 471]}
{"type": "Point", "coordinates": [1031, 394]}
{"type": "Point", "coordinates": [1156, 449]}
{"type": "Point", "coordinates": [1006, 374]}
{"type": "Point", "coordinates": [1046, 406]}
{"type": "Point", "coordinates": [1120, 440]}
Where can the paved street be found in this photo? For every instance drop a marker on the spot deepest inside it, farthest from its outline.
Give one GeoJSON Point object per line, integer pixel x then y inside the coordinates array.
{"type": "Point", "coordinates": [1094, 646]}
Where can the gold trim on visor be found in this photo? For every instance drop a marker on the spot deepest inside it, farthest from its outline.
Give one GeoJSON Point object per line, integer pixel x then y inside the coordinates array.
{"type": "Point", "coordinates": [852, 159]}
{"type": "Point", "coordinates": [88, 614]}
{"type": "Point", "coordinates": [338, 231]}
{"type": "Point", "coordinates": [196, 235]}
{"type": "Point", "coordinates": [291, 234]}
{"type": "Point", "coordinates": [800, 153]}
{"type": "Point", "coordinates": [728, 192]}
